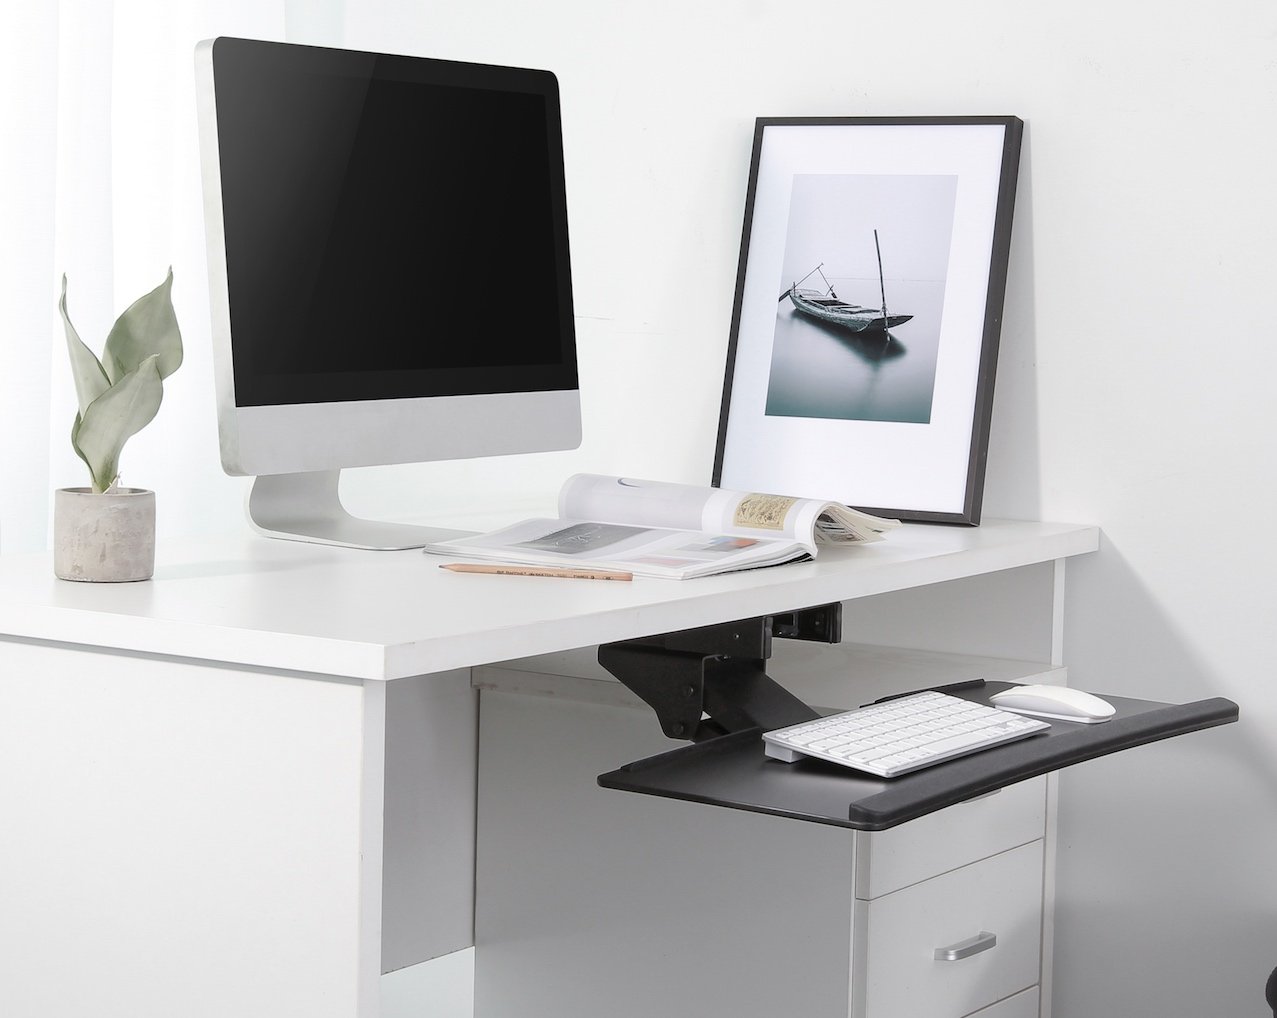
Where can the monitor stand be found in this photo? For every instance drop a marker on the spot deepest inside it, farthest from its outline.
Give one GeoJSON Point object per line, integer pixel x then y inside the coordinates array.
{"type": "Point", "coordinates": [307, 507]}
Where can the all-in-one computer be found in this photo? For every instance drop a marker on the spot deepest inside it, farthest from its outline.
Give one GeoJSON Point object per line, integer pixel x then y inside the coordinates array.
{"type": "Point", "coordinates": [389, 271]}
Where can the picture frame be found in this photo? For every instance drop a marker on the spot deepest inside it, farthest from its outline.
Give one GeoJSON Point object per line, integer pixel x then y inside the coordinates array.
{"type": "Point", "coordinates": [868, 311]}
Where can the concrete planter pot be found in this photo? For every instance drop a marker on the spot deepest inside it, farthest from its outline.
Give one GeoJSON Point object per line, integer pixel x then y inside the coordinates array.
{"type": "Point", "coordinates": [104, 538]}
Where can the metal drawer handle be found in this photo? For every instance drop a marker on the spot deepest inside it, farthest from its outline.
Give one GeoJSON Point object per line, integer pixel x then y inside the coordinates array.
{"type": "Point", "coordinates": [982, 941]}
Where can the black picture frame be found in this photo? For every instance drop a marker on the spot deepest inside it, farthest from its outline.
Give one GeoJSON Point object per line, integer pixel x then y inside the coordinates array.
{"type": "Point", "coordinates": [880, 398]}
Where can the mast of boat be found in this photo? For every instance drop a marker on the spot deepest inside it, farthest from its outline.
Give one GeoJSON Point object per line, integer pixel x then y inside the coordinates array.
{"type": "Point", "coordinates": [882, 287]}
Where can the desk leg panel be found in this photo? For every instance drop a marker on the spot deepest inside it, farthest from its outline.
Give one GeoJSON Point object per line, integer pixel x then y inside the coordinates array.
{"type": "Point", "coordinates": [429, 794]}
{"type": "Point", "coordinates": [185, 839]}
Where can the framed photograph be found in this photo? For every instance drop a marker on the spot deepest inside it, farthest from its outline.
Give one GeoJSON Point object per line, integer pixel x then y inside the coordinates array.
{"type": "Point", "coordinates": [864, 335]}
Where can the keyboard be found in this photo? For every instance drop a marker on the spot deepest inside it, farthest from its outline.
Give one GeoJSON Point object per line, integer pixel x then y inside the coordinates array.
{"type": "Point", "coordinates": [901, 735]}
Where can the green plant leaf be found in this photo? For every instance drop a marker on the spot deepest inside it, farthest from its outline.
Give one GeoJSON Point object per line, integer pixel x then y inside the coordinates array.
{"type": "Point", "coordinates": [148, 328]}
{"type": "Point", "coordinates": [90, 378]}
{"type": "Point", "coordinates": [100, 432]}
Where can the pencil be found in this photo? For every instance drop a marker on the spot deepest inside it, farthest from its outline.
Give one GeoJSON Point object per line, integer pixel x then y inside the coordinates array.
{"type": "Point", "coordinates": [504, 569]}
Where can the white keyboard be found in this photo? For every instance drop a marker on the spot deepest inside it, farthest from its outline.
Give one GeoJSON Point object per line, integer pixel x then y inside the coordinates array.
{"type": "Point", "coordinates": [902, 735]}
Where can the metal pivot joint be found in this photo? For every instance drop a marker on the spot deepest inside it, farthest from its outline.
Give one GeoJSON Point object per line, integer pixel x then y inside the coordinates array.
{"type": "Point", "coordinates": [707, 682]}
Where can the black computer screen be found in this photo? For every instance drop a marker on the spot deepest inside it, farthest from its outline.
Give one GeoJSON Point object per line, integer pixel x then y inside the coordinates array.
{"type": "Point", "coordinates": [394, 226]}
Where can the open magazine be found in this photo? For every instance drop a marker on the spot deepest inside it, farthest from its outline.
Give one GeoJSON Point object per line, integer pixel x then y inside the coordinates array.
{"type": "Point", "coordinates": [676, 531]}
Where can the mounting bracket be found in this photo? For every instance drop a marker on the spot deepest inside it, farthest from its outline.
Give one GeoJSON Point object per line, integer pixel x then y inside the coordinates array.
{"type": "Point", "coordinates": [707, 682]}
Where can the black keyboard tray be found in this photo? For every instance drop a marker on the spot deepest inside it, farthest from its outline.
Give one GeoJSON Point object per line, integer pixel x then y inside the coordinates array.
{"type": "Point", "coordinates": [732, 770]}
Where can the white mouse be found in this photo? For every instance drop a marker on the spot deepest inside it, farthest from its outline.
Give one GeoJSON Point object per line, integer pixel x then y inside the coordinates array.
{"type": "Point", "coordinates": [1058, 702]}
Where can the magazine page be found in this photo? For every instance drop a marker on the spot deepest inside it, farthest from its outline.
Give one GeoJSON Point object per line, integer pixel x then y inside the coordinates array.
{"type": "Point", "coordinates": [803, 519]}
{"type": "Point", "coordinates": [839, 524]}
{"type": "Point", "coordinates": [644, 551]}
{"type": "Point", "coordinates": [629, 500]}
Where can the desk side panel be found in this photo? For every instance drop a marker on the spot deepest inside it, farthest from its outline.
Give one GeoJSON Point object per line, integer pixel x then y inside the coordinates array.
{"type": "Point", "coordinates": [428, 880]}
{"type": "Point", "coordinates": [178, 839]}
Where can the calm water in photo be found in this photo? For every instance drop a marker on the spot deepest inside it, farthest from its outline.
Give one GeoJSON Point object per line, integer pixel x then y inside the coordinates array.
{"type": "Point", "coordinates": [822, 370]}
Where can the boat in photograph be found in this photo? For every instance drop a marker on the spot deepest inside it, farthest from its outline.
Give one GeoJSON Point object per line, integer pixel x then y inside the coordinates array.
{"type": "Point", "coordinates": [827, 307]}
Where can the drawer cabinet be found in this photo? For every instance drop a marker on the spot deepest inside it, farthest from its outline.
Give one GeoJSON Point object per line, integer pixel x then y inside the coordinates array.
{"type": "Point", "coordinates": [953, 944]}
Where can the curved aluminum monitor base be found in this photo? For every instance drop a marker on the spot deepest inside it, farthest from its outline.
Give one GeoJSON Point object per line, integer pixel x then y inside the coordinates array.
{"type": "Point", "coordinates": [307, 507]}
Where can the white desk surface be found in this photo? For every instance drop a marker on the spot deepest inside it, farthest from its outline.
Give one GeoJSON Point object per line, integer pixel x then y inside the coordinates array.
{"type": "Point", "coordinates": [288, 606]}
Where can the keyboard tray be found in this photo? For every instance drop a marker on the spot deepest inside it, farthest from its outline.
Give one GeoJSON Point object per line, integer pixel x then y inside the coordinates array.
{"type": "Point", "coordinates": [733, 771]}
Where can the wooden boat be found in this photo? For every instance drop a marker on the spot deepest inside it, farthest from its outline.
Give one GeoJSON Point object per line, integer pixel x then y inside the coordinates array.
{"type": "Point", "coordinates": [827, 307]}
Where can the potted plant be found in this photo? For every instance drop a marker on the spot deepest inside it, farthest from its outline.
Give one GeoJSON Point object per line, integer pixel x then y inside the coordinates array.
{"type": "Point", "coordinates": [104, 532]}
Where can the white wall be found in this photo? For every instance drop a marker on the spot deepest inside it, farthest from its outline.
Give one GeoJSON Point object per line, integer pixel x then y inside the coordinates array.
{"type": "Point", "coordinates": [1134, 388]}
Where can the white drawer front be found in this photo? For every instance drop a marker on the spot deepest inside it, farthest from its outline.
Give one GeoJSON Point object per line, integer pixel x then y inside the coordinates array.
{"type": "Point", "coordinates": [1022, 1005]}
{"type": "Point", "coordinates": [889, 860]}
{"type": "Point", "coordinates": [897, 938]}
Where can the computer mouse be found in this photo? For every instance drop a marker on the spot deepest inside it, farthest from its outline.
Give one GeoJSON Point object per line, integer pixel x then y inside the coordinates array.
{"type": "Point", "coordinates": [1057, 702]}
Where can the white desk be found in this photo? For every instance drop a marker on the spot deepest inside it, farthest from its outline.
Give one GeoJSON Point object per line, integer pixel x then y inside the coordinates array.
{"type": "Point", "coordinates": [247, 787]}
